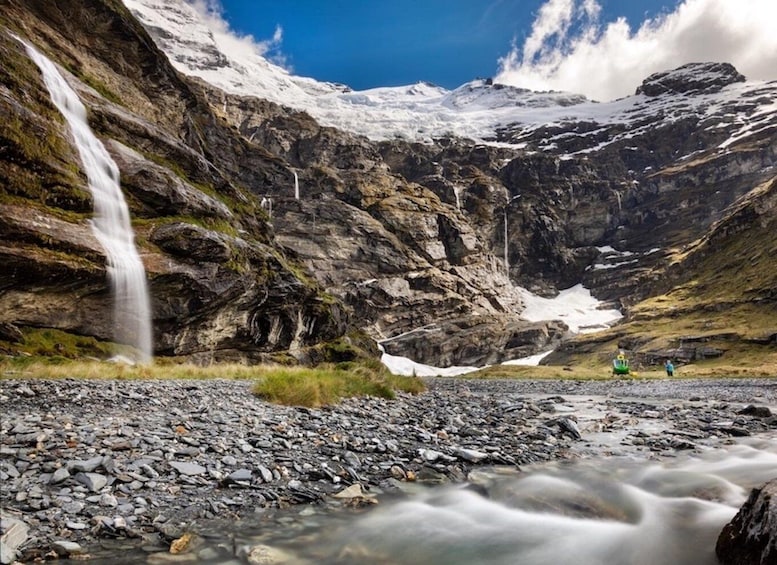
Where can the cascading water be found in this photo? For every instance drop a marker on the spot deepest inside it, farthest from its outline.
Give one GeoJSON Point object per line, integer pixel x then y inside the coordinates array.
{"type": "Point", "coordinates": [111, 221]}
{"type": "Point", "coordinates": [296, 186]}
{"type": "Point", "coordinates": [593, 511]}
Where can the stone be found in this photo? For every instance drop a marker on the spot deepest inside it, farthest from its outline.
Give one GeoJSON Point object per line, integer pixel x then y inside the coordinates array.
{"type": "Point", "coordinates": [240, 476]}
{"type": "Point", "coordinates": [93, 481]}
{"type": "Point", "coordinates": [108, 500]}
{"type": "Point", "coordinates": [268, 555]}
{"type": "Point", "coordinates": [751, 536]}
{"type": "Point", "coordinates": [266, 474]}
{"type": "Point", "coordinates": [471, 455]}
{"type": "Point", "coordinates": [85, 466]}
{"type": "Point", "coordinates": [67, 548]}
{"type": "Point", "coordinates": [354, 491]}
{"type": "Point", "coordinates": [757, 411]}
{"type": "Point", "coordinates": [189, 469]}
{"type": "Point", "coordinates": [60, 475]}
{"type": "Point", "coordinates": [15, 532]}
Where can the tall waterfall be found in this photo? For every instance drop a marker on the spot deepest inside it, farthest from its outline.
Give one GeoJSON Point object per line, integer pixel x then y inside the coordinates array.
{"type": "Point", "coordinates": [111, 221]}
{"type": "Point", "coordinates": [296, 186]}
{"type": "Point", "coordinates": [507, 248]}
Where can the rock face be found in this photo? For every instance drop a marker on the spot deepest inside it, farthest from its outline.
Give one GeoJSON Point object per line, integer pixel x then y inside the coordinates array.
{"type": "Point", "coordinates": [694, 78]}
{"type": "Point", "coordinates": [387, 237]}
{"type": "Point", "coordinates": [751, 537]}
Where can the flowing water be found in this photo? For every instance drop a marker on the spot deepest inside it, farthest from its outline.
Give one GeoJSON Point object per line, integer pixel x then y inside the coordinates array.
{"type": "Point", "coordinates": [111, 222]}
{"type": "Point", "coordinates": [597, 511]}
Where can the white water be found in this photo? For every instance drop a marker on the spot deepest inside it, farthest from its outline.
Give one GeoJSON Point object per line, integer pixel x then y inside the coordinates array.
{"type": "Point", "coordinates": [507, 249]}
{"type": "Point", "coordinates": [598, 511]}
{"type": "Point", "coordinates": [296, 186]}
{"type": "Point", "coordinates": [111, 221]}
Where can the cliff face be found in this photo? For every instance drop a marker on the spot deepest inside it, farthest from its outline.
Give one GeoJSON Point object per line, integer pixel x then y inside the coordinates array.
{"type": "Point", "coordinates": [417, 243]}
{"type": "Point", "coordinates": [219, 286]}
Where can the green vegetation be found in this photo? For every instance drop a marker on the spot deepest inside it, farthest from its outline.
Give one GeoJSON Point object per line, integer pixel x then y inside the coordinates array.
{"type": "Point", "coordinates": [722, 300]}
{"type": "Point", "coordinates": [328, 384]}
{"type": "Point", "coordinates": [592, 368]}
{"type": "Point", "coordinates": [53, 347]}
{"type": "Point", "coordinates": [295, 386]}
{"type": "Point", "coordinates": [54, 354]}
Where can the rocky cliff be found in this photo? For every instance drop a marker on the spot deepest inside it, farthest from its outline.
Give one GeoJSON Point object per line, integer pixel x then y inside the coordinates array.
{"type": "Point", "coordinates": [418, 243]}
{"type": "Point", "coordinates": [220, 287]}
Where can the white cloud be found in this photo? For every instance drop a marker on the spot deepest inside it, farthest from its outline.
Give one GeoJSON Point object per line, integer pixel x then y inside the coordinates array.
{"type": "Point", "coordinates": [569, 50]}
{"type": "Point", "coordinates": [232, 42]}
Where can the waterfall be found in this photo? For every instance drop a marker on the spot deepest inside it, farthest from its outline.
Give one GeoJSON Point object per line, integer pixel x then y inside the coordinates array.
{"type": "Point", "coordinates": [296, 186]}
{"type": "Point", "coordinates": [111, 221]}
{"type": "Point", "coordinates": [507, 259]}
{"type": "Point", "coordinates": [457, 195]}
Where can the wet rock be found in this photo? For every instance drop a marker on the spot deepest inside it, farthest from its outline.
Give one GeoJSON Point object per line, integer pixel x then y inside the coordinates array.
{"type": "Point", "coordinates": [757, 411]}
{"type": "Point", "coordinates": [267, 555]}
{"type": "Point", "coordinates": [67, 548]}
{"type": "Point", "coordinates": [751, 537]}
{"type": "Point", "coordinates": [303, 456]}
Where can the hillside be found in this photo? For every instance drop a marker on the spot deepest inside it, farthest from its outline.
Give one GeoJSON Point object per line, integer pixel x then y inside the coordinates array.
{"type": "Point", "coordinates": [717, 310]}
{"type": "Point", "coordinates": [416, 216]}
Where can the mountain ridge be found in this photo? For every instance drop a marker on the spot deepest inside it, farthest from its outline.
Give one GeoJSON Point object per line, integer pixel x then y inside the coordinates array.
{"type": "Point", "coordinates": [386, 237]}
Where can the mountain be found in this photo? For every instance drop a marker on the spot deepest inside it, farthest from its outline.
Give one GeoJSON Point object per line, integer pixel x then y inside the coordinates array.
{"type": "Point", "coordinates": [424, 216]}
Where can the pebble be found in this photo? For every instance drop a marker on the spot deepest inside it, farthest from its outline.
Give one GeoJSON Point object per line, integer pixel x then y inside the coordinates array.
{"type": "Point", "coordinates": [77, 463]}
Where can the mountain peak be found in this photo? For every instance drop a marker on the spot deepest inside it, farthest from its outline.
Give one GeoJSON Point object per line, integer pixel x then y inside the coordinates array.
{"type": "Point", "coordinates": [693, 78]}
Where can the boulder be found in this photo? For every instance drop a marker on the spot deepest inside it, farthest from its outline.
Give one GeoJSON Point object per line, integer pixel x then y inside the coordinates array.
{"type": "Point", "coordinates": [751, 537]}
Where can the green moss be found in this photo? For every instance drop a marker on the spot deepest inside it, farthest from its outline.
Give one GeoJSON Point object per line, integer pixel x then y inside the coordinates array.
{"type": "Point", "coordinates": [51, 346]}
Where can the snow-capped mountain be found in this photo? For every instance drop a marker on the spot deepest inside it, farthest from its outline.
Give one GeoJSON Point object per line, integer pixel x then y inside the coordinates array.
{"type": "Point", "coordinates": [479, 110]}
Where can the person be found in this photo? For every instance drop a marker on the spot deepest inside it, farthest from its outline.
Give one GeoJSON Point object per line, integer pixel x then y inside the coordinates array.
{"type": "Point", "coordinates": [669, 368]}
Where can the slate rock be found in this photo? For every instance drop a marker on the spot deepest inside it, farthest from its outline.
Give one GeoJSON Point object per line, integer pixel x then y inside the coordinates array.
{"type": "Point", "coordinates": [189, 469]}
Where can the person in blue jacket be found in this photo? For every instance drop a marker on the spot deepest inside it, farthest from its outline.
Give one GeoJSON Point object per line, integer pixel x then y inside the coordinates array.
{"type": "Point", "coordinates": [669, 366]}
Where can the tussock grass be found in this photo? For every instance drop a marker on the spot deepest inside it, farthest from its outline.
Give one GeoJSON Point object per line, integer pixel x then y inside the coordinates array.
{"type": "Point", "coordinates": [328, 384]}
{"type": "Point", "coordinates": [62, 368]}
{"type": "Point", "coordinates": [295, 386]}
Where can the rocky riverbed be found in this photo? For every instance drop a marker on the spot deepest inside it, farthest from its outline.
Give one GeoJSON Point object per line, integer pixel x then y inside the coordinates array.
{"type": "Point", "coordinates": [82, 462]}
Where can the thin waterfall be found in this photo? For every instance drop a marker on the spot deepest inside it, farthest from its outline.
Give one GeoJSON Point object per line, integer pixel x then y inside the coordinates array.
{"type": "Point", "coordinates": [296, 186]}
{"type": "Point", "coordinates": [507, 259]}
{"type": "Point", "coordinates": [111, 222]}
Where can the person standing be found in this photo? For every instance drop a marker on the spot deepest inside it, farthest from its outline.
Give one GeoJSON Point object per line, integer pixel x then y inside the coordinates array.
{"type": "Point", "coordinates": [669, 366]}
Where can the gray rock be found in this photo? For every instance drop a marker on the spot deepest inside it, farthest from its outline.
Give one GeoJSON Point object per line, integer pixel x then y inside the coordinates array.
{"type": "Point", "coordinates": [108, 500]}
{"type": "Point", "coordinates": [60, 475]}
{"type": "Point", "coordinates": [66, 548]}
{"type": "Point", "coordinates": [240, 476]}
{"type": "Point", "coordinates": [73, 507]}
{"type": "Point", "coordinates": [85, 466]}
{"type": "Point", "coordinates": [14, 535]}
{"type": "Point", "coordinates": [93, 481]}
{"type": "Point", "coordinates": [266, 474]}
{"type": "Point", "coordinates": [471, 455]}
{"type": "Point", "coordinates": [189, 469]}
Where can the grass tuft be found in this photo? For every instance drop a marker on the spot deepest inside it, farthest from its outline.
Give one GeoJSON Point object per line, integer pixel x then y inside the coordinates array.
{"type": "Point", "coordinates": [294, 386]}
{"type": "Point", "coordinates": [328, 384]}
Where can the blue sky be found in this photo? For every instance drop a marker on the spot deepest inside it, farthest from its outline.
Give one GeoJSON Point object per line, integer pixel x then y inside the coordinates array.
{"type": "Point", "coordinates": [600, 48]}
{"type": "Point", "coordinates": [368, 43]}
